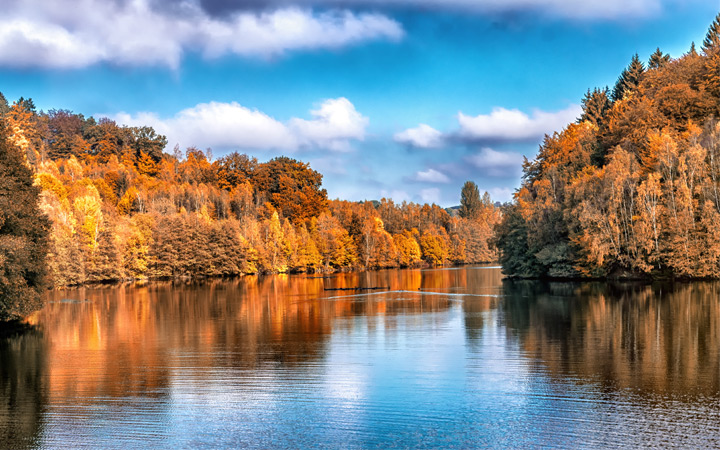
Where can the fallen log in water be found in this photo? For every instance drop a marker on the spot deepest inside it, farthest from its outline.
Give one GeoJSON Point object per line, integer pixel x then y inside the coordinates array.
{"type": "Point", "coordinates": [358, 289]}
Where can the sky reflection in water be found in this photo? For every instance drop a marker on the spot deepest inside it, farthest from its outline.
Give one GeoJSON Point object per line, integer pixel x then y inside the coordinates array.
{"type": "Point", "coordinates": [449, 358]}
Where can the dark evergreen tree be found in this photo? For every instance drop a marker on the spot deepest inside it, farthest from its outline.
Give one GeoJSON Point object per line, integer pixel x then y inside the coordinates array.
{"type": "Point", "coordinates": [511, 239]}
{"type": "Point", "coordinates": [595, 105]}
{"type": "Point", "coordinates": [146, 140]}
{"type": "Point", "coordinates": [27, 104]}
{"type": "Point", "coordinates": [629, 79]}
{"type": "Point", "coordinates": [658, 59]}
{"type": "Point", "coordinates": [4, 106]}
{"type": "Point", "coordinates": [470, 203]}
{"type": "Point", "coordinates": [712, 39]}
{"type": "Point", "coordinates": [23, 235]}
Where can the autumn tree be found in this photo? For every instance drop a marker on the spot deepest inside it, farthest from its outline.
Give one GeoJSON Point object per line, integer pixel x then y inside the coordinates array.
{"type": "Point", "coordinates": [408, 249]}
{"type": "Point", "coordinates": [25, 130]}
{"type": "Point", "coordinates": [435, 246]}
{"type": "Point", "coordinates": [66, 134]}
{"type": "Point", "coordinates": [333, 242]}
{"type": "Point", "coordinates": [275, 246]}
{"type": "Point", "coordinates": [23, 235]}
{"type": "Point", "coordinates": [469, 200]}
{"type": "Point", "coordinates": [235, 169]}
{"type": "Point", "coordinates": [292, 187]}
{"type": "Point", "coordinates": [376, 244]}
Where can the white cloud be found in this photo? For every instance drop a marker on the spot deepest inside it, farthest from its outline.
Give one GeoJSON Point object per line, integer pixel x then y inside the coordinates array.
{"type": "Point", "coordinates": [430, 195]}
{"type": "Point", "coordinates": [78, 33]}
{"type": "Point", "coordinates": [515, 125]}
{"type": "Point", "coordinates": [334, 164]}
{"type": "Point", "coordinates": [397, 195]}
{"type": "Point", "coordinates": [423, 136]}
{"type": "Point", "coordinates": [430, 176]}
{"type": "Point", "coordinates": [572, 9]}
{"type": "Point", "coordinates": [499, 194]}
{"type": "Point", "coordinates": [496, 163]}
{"type": "Point", "coordinates": [231, 125]}
{"type": "Point", "coordinates": [333, 125]}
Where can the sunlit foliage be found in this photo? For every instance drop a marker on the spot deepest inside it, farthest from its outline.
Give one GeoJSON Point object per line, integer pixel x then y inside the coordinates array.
{"type": "Point", "coordinates": [121, 208]}
{"type": "Point", "coordinates": [631, 190]}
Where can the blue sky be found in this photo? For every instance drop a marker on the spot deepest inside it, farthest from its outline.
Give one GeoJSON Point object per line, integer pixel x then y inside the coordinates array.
{"type": "Point", "coordinates": [405, 99]}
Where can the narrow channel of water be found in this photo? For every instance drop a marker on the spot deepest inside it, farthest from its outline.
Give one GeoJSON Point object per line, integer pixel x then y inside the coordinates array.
{"type": "Point", "coordinates": [447, 358]}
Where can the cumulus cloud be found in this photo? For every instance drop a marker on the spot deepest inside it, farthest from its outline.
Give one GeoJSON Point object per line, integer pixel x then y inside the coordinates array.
{"type": "Point", "coordinates": [495, 163]}
{"type": "Point", "coordinates": [500, 194]}
{"type": "Point", "coordinates": [398, 195]}
{"type": "Point", "coordinates": [334, 164]}
{"type": "Point", "coordinates": [514, 125]}
{"type": "Point", "coordinates": [79, 33]}
{"type": "Point", "coordinates": [430, 176]}
{"type": "Point", "coordinates": [230, 125]}
{"type": "Point", "coordinates": [501, 125]}
{"type": "Point", "coordinates": [334, 123]}
{"type": "Point", "coordinates": [430, 195]}
{"type": "Point", "coordinates": [423, 136]}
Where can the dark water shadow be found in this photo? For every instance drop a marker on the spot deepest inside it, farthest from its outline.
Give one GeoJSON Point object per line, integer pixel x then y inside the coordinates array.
{"type": "Point", "coordinates": [23, 393]}
{"type": "Point", "coordinates": [658, 339]}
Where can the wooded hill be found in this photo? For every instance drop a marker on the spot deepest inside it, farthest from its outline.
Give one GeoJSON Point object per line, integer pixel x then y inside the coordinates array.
{"type": "Point", "coordinates": [122, 208]}
{"type": "Point", "coordinates": [633, 188]}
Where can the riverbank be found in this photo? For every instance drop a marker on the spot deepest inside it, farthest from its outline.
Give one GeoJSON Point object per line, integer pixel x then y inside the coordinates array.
{"type": "Point", "coordinates": [322, 275]}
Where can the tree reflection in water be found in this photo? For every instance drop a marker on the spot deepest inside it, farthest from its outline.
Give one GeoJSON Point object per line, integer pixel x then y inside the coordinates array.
{"type": "Point", "coordinates": [661, 339]}
{"type": "Point", "coordinates": [23, 390]}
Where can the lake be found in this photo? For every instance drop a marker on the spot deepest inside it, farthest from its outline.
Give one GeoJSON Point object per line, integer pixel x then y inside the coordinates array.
{"type": "Point", "coordinates": [445, 358]}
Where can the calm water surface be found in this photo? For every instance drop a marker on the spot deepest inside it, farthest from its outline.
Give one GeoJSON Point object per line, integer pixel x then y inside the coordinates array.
{"type": "Point", "coordinates": [452, 358]}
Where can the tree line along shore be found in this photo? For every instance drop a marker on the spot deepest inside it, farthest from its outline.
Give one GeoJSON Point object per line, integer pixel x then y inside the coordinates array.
{"type": "Point", "coordinates": [114, 206]}
{"type": "Point", "coordinates": [630, 190]}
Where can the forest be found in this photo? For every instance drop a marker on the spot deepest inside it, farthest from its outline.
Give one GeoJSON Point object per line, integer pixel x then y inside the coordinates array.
{"type": "Point", "coordinates": [120, 207]}
{"type": "Point", "coordinates": [632, 189]}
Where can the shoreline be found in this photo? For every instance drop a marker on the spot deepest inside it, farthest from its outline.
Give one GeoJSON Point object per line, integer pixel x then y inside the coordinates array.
{"type": "Point", "coordinates": [309, 275]}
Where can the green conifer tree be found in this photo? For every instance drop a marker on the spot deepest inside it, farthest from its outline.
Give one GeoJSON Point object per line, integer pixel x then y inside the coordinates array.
{"type": "Point", "coordinates": [469, 200]}
{"type": "Point", "coordinates": [4, 106]}
{"type": "Point", "coordinates": [712, 39]}
{"type": "Point", "coordinates": [629, 79]}
{"type": "Point", "coordinates": [658, 59]}
{"type": "Point", "coordinates": [595, 105]}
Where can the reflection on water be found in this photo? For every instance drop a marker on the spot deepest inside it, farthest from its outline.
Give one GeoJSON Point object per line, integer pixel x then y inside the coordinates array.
{"type": "Point", "coordinates": [660, 339]}
{"type": "Point", "coordinates": [443, 358]}
{"type": "Point", "coordinates": [22, 388]}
